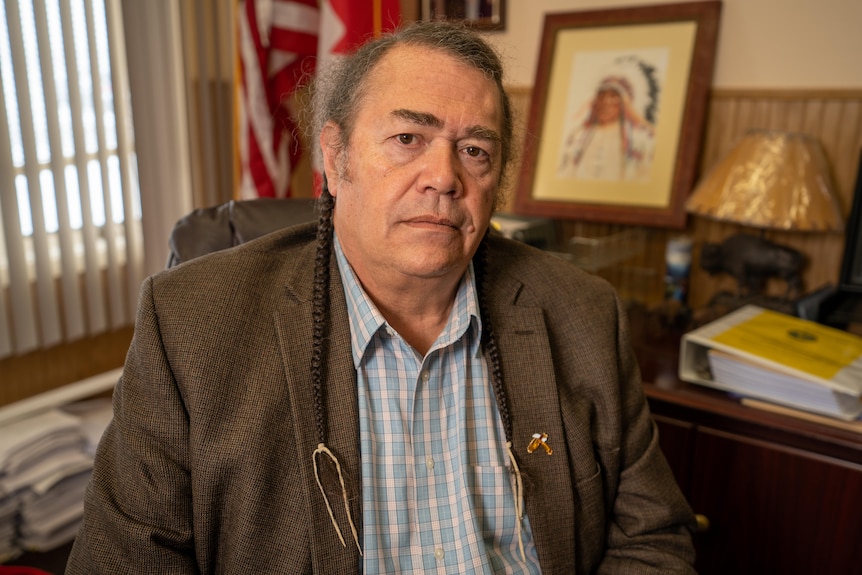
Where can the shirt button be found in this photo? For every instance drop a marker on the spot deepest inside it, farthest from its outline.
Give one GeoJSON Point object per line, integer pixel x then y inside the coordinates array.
{"type": "Point", "coordinates": [439, 553]}
{"type": "Point", "coordinates": [425, 375]}
{"type": "Point", "coordinates": [429, 462]}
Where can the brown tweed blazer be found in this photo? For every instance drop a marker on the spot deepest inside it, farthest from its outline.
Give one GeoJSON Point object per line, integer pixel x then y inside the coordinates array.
{"type": "Point", "coordinates": [207, 465]}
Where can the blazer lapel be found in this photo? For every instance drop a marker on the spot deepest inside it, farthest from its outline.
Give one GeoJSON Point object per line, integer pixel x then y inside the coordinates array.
{"type": "Point", "coordinates": [340, 416]}
{"type": "Point", "coordinates": [534, 404]}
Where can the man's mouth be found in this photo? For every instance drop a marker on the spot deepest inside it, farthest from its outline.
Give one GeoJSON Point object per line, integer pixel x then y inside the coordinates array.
{"type": "Point", "coordinates": [433, 221]}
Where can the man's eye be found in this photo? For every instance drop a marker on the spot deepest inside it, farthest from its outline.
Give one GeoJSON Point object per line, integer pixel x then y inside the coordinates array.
{"type": "Point", "coordinates": [406, 139]}
{"type": "Point", "coordinates": [474, 151]}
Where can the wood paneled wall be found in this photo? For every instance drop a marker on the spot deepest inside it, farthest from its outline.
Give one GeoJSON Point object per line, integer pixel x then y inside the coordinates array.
{"type": "Point", "coordinates": [834, 117]}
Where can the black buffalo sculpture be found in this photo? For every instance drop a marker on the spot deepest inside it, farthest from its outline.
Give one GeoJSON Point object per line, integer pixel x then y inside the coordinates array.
{"type": "Point", "coordinates": [752, 260]}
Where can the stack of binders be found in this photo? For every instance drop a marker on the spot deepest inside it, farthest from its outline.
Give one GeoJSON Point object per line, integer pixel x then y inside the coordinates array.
{"type": "Point", "coordinates": [778, 358]}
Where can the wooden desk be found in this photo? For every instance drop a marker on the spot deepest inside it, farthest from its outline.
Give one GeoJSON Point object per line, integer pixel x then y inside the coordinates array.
{"type": "Point", "coordinates": [782, 495]}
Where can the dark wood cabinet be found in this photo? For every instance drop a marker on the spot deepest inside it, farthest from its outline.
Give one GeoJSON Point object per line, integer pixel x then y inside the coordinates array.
{"type": "Point", "coordinates": [782, 495]}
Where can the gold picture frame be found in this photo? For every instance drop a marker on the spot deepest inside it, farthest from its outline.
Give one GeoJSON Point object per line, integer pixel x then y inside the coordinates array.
{"type": "Point", "coordinates": [617, 113]}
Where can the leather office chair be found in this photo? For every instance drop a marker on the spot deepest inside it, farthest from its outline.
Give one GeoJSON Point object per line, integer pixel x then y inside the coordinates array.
{"type": "Point", "coordinates": [206, 230]}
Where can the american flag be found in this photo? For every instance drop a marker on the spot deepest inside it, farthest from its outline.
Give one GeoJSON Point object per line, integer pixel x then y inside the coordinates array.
{"type": "Point", "coordinates": [279, 42]}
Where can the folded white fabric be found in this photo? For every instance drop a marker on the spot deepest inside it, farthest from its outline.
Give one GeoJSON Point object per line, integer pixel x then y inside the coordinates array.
{"type": "Point", "coordinates": [94, 415]}
{"type": "Point", "coordinates": [50, 515]}
{"type": "Point", "coordinates": [46, 460]}
{"type": "Point", "coordinates": [29, 441]}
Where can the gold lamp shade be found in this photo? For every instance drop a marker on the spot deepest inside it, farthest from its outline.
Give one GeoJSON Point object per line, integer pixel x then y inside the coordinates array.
{"type": "Point", "coordinates": [771, 180]}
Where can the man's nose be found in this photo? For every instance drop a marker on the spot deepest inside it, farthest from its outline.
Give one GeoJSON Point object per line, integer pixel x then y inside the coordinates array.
{"type": "Point", "coordinates": [442, 170]}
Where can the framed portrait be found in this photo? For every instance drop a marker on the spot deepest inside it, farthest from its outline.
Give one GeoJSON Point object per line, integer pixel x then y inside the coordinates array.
{"type": "Point", "coordinates": [617, 114]}
{"type": "Point", "coordinates": [483, 14]}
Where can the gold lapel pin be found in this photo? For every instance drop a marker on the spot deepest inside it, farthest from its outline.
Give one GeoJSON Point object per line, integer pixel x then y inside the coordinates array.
{"type": "Point", "coordinates": [540, 439]}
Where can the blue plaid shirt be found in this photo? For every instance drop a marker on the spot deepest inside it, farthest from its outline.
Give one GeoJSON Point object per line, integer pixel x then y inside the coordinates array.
{"type": "Point", "coordinates": [437, 489]}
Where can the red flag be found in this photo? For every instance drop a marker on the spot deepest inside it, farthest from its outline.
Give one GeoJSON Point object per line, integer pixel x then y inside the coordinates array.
{"type": "Point", "coordinates": [279, 41]}
{"type": "Point", "coordinates": [345, 24]}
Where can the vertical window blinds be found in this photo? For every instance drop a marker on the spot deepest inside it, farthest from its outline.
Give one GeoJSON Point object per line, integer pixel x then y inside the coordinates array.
{"type": "Point", "coordinates": [71, 246]}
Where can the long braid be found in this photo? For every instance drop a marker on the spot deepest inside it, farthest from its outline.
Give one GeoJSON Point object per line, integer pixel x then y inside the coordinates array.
{"type": "Point", "coordinates": [320, 323]}
{"type": "Point", "coordinates": [320, 303]}
{"type": "Point", "coordinates": [480, 263]}
{"type": "Point", "coordinates": [495, 366]}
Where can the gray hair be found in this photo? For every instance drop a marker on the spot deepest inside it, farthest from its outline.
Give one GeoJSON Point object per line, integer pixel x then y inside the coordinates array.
{"type": "Point", "coordinates": [339, 89]}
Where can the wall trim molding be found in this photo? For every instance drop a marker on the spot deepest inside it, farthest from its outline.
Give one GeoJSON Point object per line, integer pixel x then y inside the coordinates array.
{"type": "Point", "coordinates": [788, 93]}
{"type": "Point", "coordinates": [771, 93]}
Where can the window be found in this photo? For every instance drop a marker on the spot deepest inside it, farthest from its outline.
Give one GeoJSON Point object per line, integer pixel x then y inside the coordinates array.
{"type": "Point", "coordinates": [71, 255]}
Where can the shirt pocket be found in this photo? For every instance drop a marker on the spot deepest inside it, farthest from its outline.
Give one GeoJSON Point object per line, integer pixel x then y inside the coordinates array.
{"type": "Point", "coordinates": [492, 499]}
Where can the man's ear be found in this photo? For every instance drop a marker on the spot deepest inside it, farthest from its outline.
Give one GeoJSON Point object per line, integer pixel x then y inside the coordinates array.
{"type": "Point", "coordinates": [331, 147]}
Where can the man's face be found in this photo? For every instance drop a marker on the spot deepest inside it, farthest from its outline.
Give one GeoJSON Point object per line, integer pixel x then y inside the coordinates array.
{"type": "Point", "coordinates": [608, 106]}
{"type": "Point", "coordinates": [415, 194]}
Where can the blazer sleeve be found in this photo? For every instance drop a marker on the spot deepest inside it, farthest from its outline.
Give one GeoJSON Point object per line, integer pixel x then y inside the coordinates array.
{"type": "Point", "coordinates": [137, 510]}
{"type": "Point", "coordinates": [651, 523]}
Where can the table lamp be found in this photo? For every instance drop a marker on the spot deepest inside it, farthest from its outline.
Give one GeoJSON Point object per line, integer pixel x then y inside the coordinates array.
{"type": "Point", "coordinates": [770, 180]}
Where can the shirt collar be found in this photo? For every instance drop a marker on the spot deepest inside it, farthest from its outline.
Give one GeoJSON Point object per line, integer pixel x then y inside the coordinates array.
{"type": "Point", "coordinates": [366, 320]}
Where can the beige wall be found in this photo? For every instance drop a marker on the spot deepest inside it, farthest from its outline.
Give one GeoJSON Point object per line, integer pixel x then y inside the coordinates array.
{"type": "Point", "coordinates": [762, 43]}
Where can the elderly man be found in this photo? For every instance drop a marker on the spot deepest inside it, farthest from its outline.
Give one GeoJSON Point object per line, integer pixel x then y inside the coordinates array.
{"type": "Point", "coordinates": [394, 390]}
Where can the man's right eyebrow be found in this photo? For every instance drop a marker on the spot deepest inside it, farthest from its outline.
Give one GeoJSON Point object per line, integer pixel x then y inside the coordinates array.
{"type": "Point", "coordinates": [419, 118]}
